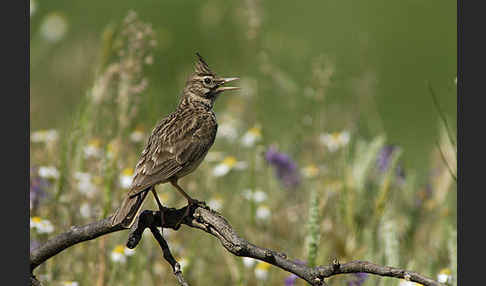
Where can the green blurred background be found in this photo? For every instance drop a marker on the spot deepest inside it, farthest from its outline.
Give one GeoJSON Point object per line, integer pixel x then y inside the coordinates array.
{"type": "Point", "coordinates": [310, 71]}
{"type": "Point", "coordinates": [382, 54]}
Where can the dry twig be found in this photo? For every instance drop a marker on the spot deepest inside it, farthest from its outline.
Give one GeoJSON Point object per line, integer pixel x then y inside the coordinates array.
{"type": "Point", "coordinates": [216, 225]}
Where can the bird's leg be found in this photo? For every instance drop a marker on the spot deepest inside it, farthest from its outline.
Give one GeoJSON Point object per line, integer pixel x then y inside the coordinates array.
{"type": "Point", "coordinates": [161, 207]}
{"type": "Point", "coordinates": [190, 202]}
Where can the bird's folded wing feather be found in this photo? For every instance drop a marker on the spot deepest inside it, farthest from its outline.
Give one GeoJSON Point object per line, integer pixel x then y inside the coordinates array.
{"type": "Point", "coordinates": [172, 144]}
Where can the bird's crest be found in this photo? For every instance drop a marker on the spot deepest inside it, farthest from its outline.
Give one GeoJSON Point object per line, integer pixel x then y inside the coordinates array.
{"type": "Point", "coordinates": [201, 66]}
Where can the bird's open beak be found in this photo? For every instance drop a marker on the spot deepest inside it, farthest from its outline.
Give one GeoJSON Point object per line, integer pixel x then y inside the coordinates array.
{"type": "Point", "coordinates": [224, 80]}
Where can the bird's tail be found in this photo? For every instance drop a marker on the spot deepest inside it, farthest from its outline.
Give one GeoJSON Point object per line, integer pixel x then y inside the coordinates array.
{"type": "Point", "coordinates": [129, 209]}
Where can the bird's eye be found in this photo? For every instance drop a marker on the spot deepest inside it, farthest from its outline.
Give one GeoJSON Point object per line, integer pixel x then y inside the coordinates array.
{"type": "Point", "coordinates": [207, 80]}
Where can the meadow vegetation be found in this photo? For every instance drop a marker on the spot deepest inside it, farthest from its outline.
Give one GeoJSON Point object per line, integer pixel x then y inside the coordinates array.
{"type": "Point", "coordinates": [291, 169]}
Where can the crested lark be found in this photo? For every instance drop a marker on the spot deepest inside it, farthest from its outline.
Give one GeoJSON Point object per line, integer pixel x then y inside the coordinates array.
{"type": "Point", "coordinates": [178, 144]}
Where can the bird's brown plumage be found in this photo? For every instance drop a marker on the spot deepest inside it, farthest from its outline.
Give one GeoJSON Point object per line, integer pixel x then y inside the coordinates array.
{"type": "Point", "coordinates": [176, 146]}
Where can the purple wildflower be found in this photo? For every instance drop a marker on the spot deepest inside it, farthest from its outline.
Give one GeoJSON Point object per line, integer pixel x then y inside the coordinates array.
{"type": "Point", "coordinates": [384, 160]}
{"type": "Point", "coordinates": [358, 279]}
{"type": "Point", "coordinates": [290, 280]}
{"type": "Point", "coordinates": [38, 187]}
{"type": "Point", "coordinates": [286, 170]}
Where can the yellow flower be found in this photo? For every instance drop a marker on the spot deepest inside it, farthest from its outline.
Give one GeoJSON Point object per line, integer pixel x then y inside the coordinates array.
{"type": "Point", "coordinates": [230, 161]}
{"type": "Point", "coordinates": [118, 254]}
{"type": "Point", "coordinates": [112, 149]}
{"type": "Point", "coordinates": [126, 178]}
{"type": "Point", "coordinates": [252, 136]}
{"type": "Point", "coordinates": [41, 225]}
{"type": "Point", "coordinates": [127, 172]}
{"type": "Point", "coordinates": [445, 276]}
{"type": "Point", "coordinates": [310, 171]}
{"type": "Point", "coordinates": [263, 212]}
{"type": "Point", "coordinates": [35, 219]}
{"type": "Point", "coordinates": [335, 140]}
{"type": "Point", "coordinates": [138, 134]}
{"type": "Point", "coordinates": [95, 142]}
{"type": "Point", "coordinates": [119, 248]}
{"type": "Point", "coordinates": [261, 270]}
{"type": "Point", "coordinates": [93, 148]}
{"type": "Point", "coordinates": [227, 165]}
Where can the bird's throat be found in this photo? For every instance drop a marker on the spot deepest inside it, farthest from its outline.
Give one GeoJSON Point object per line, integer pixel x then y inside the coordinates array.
{"type": "Point", "coordinates": [191, 100]}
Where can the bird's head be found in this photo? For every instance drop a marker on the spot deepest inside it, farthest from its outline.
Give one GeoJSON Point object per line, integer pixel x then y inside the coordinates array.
{"type": "Point", "coordinates": [204, 85]}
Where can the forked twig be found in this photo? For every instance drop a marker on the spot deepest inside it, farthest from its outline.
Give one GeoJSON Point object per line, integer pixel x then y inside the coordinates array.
{"type": "Point", "coordinates": [216, 225]}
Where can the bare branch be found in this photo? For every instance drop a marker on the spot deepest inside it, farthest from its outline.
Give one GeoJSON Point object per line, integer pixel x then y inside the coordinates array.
{"type": "Point", "coordinates": [216, 225]}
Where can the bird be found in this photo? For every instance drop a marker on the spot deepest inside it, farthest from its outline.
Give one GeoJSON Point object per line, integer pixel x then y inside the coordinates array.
{"type": "Point", "coordinates": [177, 144]}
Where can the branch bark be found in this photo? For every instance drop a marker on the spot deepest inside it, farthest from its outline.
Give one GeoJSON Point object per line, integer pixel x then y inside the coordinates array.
{"type": "Point", "coordinates": [213, 223]}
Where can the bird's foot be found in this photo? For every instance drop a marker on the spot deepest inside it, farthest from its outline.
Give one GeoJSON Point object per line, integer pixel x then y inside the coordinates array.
{"type": "Point", "coordinates": [191, 205]}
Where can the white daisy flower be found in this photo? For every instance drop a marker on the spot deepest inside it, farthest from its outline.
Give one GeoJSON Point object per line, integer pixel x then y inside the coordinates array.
{"type": "Point", "coordinates": [44, 136]}
{"type": "Point", "coordinates": [216, 203]}
{"type": "Point", "coordinates": [118, 254]}
{"type": "Point", "coordinates": [49, 172]}
{"type": "Point", "coordinates": [249, 262]}
{"type": "Point", "coordinates": [251, 137]}
{"type": "Point", "coordinates": [137, 135]}
{"type": "Point", "coordinates": [85, 183]}
{"type": "Point", "coordinates": [54, 27]}
{"type": "Point", "coordinates": [126, 178]}
{"type": "Point", "coordinates": [41, 225]}
{"type": "Point", "coordinates": [445, 276]}
{"type": "Point", "coordinates": [261, 270]}
{"type": "Point", "coordinates": [93, 149]}
{"type": "Point", "coordinates": [259, 196]}
{"type": "Point", "coordinates": [263, 212]}
{"type": "Point", "coordinates": [334, 141]}
{"type": "Point", "coordinates": [227, 165]}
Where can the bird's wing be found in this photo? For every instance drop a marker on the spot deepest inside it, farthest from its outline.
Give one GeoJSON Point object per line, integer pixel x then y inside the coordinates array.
{"type": "Point", "coordinates": [174, 142]}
